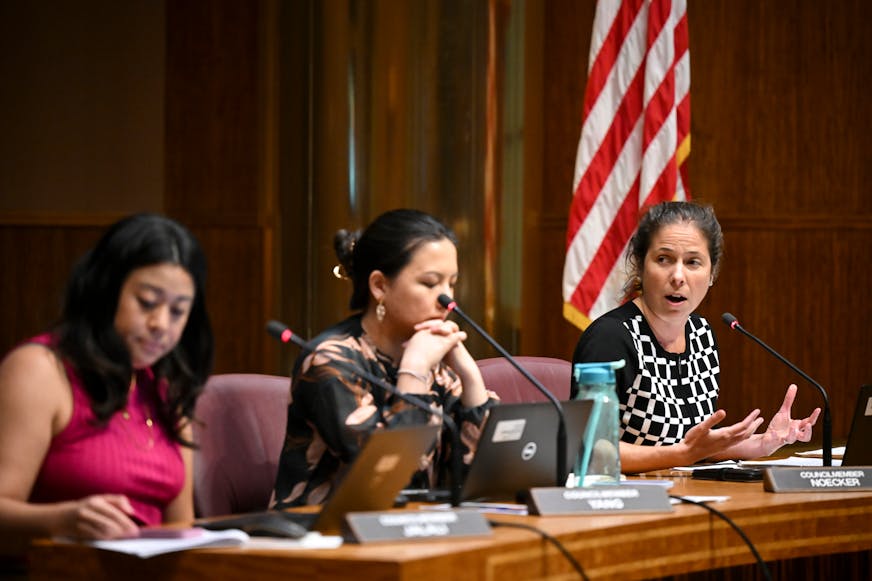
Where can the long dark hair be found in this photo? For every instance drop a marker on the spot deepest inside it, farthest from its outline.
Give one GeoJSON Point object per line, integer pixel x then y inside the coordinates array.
{"type": "Point", "coordinates": [387, 245]}
{"type": "Point", "coordinates": [86, 335]}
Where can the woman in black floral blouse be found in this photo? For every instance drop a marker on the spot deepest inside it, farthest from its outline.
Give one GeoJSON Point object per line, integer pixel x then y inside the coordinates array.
{"type": "Point", "coordinates": [398, 266]}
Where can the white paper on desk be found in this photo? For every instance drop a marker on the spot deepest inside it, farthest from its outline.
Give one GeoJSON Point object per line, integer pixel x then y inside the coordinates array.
{"type": "Point", "coordinates": [667, 484]}
{"type": "Point", "coordinates": [311, 540]}
{"type": "Point", "coordinates": [838, 452]}
{"type": "Point", "coordinates": [792, 461]}
{"type": "Point", "coordinates": [145, 548]}
{"type": "Point", "coordinates": [484, 507]}
{"type": "Point", "coordinates": [675, 500]}
{"type": "Point", "coordinates": [715, 466]}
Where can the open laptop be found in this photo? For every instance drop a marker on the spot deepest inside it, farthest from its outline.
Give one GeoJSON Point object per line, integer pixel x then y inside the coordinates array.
{"type": "Point", "coordinates": [858, 449]}
{"type": "Point", "coordinates": [384, 465]}
{"type": "Point", "coordinates": [518, 449]}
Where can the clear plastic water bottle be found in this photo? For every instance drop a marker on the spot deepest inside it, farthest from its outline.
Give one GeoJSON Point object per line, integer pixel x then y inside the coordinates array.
{"type": "Point", "coordinates": [599, 460]}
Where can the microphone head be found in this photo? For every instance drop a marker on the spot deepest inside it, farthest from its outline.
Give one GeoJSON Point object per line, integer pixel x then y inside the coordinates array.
{"type": "Point", "coordinates": [730, 320]}
{"type": "Point", "coordinates": [447, 302]}
{"type": "Point", "coordinates": [277, 330]}
{"type": "Point", "coordinates": [284, 334]}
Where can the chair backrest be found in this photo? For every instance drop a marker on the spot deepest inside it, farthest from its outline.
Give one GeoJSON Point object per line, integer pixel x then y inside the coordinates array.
{"type": "Point", "coordinates": [501, 377]}
{"type": "Point", "coordinates": [239, 441]}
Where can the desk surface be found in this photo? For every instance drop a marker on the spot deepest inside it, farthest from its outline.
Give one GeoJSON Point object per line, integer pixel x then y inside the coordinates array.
{"type": "Point", "coordinates": [781, 526]}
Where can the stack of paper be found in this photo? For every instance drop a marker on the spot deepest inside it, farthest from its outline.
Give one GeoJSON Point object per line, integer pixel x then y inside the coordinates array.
{"type": "Point", "coordinates": [186, 539]}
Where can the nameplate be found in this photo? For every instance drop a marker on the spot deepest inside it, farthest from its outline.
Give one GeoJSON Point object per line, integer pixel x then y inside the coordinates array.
{"type": "Point", "coordinates": [620, 498]}
{"type": "Point", "coordinates": [369, 527]}
{"type": "Point", "coordinates": [818, 479]}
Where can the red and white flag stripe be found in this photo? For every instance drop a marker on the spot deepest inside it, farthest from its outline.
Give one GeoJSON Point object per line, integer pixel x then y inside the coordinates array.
{"type": "Point", "coordinates": [634, 141]}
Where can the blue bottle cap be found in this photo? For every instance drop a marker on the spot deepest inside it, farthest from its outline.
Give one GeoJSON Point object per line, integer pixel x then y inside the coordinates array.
{"type": "Point", "coordinates": [598, 374]}
{"type": "Point", "coordinates": [603, 372]}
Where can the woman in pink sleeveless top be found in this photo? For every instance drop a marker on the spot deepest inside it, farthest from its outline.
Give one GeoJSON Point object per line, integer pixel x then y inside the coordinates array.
{"type": "Point", "coordinates": [95, 415]}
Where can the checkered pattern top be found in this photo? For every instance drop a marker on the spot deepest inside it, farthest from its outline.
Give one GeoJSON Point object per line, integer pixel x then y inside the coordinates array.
{"type": "Point", "coordinates": [662, 395]}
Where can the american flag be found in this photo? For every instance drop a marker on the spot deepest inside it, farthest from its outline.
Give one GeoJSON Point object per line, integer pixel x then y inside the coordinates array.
{"type": "Point", "coordinates": [635, 139]}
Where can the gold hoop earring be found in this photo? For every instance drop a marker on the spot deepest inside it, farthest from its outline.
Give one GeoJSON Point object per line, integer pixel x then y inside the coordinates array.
{"type": "Point", "coordinates": [380, 311]}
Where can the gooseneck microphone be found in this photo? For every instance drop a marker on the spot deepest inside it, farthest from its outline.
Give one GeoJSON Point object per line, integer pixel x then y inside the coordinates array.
{"type": "Point", "coordinates": [281, 332]}
{"type": "Point", "coordinates": [827, 424]}
{"type": "Point", "coordinates": [284, 334]}
{"type": "Point", "coordinates": [451, 306]}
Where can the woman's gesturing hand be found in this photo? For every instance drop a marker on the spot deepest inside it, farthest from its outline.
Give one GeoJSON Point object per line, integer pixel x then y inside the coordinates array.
{"type": "Point", "coordinates": [703, 441]}
{"type": "Point", "coordinates": [782, 429]}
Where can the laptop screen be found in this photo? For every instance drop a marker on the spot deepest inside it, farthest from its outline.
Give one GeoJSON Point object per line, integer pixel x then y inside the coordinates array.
{"type": "Point", "coordinates": [858, 451]}
{"type": "Point", "coordinates": [381, 469]}
{"type": "Point", "coordinates": [518, 449]}
{"type": "Point", "coordinates": [383, 466]}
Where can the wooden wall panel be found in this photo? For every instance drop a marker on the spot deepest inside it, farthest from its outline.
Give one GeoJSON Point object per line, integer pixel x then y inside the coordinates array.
{"type": "Point", "coordinates": [781, 149]}
{"type": "Point", "coordinates": [780, 121]}
{"type": "Point", "coordinates": [213, 121]}
{"type": "Point", "coordinates": [236, 297]}
{"type": "Point", "coordinates": [556, 80]}
{"type": "Point", "coordinates": [219, 175]}
{"type": "Point", "coordinates": [81, 108]}
{"type": "Point", "coordinates": [37, 261]}
{"type": "Point", "coordinates": [292, 230]}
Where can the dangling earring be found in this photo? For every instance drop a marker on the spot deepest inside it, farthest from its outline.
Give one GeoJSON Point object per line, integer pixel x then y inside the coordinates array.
{"type": "Point", "coordinates": [380, 311]}
{"type": "Point", "coordinates": [712, 281]}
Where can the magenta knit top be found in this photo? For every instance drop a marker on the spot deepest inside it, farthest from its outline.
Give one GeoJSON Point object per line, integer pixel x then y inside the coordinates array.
{"type": "Point", "coordinates": [124, 456]}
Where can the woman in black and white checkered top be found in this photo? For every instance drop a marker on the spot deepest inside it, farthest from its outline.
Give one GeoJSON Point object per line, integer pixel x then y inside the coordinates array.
{"type": "Point", "coordinates": [668, 390]}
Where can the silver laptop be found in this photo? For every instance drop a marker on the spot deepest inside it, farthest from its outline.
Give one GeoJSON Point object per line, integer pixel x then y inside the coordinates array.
{"type": "Point", "coordinates": [518, 449]}
{"type": "Point", "coordinates": [858, 449]}
{"type": "Point", "coordinates": [382, 468]}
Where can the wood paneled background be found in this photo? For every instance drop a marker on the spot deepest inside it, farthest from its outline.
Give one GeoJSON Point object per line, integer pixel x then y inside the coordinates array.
{"type": "Point", "coordinates": [251, 121]}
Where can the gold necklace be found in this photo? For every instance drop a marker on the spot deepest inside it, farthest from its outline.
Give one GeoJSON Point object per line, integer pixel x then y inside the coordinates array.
{"type": "Point", "coordinates": [148, 421]}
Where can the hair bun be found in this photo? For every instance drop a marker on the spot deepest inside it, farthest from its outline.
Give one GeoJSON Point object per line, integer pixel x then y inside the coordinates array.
{"type": "Point", "coordinates": [343, 244]}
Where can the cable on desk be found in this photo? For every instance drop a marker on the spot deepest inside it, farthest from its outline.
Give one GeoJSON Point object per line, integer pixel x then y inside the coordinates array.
{"type": "Point", "coordinates": [575, 564]}
{"type": "Point", "coordinates": [764, 569]}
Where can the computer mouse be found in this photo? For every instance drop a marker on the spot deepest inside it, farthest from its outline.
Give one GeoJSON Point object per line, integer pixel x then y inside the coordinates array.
{"type": "Point", "coordinates": [274, 524]}
{"type": "Point", "coordinates": [263, 524]}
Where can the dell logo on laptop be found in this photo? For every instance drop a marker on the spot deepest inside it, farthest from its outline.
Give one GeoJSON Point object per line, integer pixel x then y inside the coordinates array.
{"type": "Point", "coordinates": [529, 450]}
